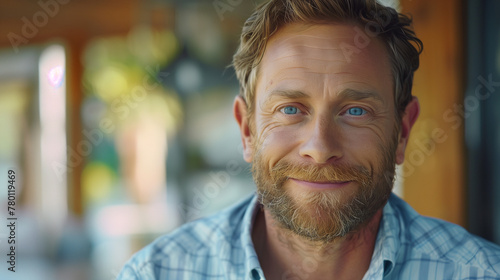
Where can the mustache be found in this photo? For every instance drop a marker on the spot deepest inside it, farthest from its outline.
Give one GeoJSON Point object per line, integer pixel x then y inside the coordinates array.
{"type": "Point", "coordinates": [284, 170]}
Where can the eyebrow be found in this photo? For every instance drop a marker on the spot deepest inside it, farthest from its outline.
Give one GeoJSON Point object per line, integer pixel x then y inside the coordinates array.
{"type": "Point", "coordinates": [347, 93]}
{"type": "Point", "coordinates": [360, 95]}
{"type": "Point", "coordinates": [290, 94]}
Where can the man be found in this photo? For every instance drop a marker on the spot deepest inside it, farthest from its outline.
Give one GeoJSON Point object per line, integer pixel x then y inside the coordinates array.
{"type": "Point", "coordinates": [325, 112]}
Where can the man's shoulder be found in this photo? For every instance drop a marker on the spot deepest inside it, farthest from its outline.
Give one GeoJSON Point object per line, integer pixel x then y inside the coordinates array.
{"type": "Point", "coordinates": [429, 238]}
{"type": "Point", "coordinates": [193, 243]}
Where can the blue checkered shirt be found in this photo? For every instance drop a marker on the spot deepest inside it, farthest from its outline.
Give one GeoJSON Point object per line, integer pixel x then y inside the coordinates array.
{"type": "Point", "coordinates": [408, 246]}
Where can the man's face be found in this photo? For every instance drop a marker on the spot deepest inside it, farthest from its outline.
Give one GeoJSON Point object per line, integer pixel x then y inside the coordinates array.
{"type": "Point", "coordinates": [323, 137]}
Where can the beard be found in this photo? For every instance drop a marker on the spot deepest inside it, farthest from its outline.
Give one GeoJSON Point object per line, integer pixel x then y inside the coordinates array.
{"type": "Point", "coordinates": [325, 215]}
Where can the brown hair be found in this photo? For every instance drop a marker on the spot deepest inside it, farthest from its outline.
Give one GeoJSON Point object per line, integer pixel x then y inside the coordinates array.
{"type": "Point", "coordinates": [383, 22]}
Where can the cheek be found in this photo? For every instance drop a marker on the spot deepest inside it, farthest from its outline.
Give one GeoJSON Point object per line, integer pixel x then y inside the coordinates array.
{"type": "Point", "coordinates": [276, 143]}
{"type": "Point", "coordinates": [363, 144]}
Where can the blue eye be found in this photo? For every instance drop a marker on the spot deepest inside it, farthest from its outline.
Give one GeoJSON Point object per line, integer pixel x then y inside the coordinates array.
{"type": "Point", "coordinates": [290, 110]}
{"type": "Point", "coordinates": [356, 111]}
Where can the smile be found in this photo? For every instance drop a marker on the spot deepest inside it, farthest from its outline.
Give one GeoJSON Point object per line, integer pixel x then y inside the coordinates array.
{"type": "Point", "coordinates": [321, 185]}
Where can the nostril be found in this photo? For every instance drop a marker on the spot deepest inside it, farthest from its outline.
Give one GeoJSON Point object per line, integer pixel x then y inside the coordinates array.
{"type": "Point", "coordinates": [321, 151]}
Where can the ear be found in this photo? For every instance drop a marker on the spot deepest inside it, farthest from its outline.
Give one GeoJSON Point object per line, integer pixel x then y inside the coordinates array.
{"type": "Point", "coordinates": [410, 116]}
{"type": "Point", "coordinates": [241, 116]}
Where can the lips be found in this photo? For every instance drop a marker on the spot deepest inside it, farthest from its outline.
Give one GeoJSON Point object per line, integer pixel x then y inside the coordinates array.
{"type": "Point", "coordinates": [321, 185]}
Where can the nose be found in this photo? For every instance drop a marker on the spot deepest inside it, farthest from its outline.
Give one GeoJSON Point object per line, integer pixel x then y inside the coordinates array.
{"type": "Point", "coordinates": [323, 141]}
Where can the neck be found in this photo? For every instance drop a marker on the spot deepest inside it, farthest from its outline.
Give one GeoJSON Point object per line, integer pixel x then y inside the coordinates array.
{"type": "Point", "coordinates": [284, 255]}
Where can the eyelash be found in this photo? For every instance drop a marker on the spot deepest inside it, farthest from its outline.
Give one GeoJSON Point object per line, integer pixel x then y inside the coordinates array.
{"type": "Point", "coordinates": [282, 110]}
{"type": "Point", "coordinates": [302, 111]}
{"type": "Point", "coordinates": [365, 111]}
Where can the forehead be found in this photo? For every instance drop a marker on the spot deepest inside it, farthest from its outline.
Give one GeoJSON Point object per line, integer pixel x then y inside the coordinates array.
{"type": "Point", "coordinates": [293, 36]}
{"type": "Point", "coordinates": [330, 50]}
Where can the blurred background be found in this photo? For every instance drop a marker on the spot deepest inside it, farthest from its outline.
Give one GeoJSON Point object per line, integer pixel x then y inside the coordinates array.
{"type": "Point", "coordinates": [116, 117]}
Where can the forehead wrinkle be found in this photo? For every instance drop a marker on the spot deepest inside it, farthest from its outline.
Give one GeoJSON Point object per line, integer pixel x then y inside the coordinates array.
{"type": "Point", "coordinates": [322, 50]}
{"type": "Point", "coordinates": [309, 60]}
{"type": "Point", "coordinates": [300, 35]}
{"type": "Point", "coordinates": [277, 71]}
{"type": "Point", "coordinates": [297, 59]}
{"type": "Point", "coordinates": [330, 41]}
{"type": "Point", "coordinates": [297, 36]}
{"type": "Point", "coordinates": [303, 48]}
{"type": "Point", "coordinates": [281, 75]}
